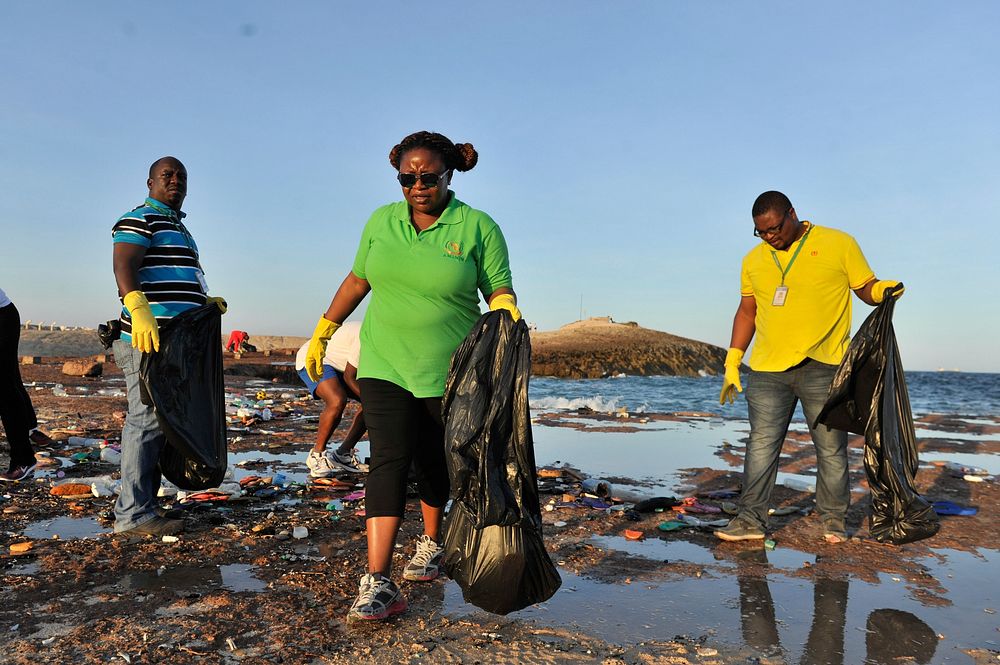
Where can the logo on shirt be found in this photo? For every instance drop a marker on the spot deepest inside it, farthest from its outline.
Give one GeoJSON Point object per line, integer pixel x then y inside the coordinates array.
{"type": "Point", "coordinates": [815, 252]}
{"type": "Point", "coordinates": [452, 248]}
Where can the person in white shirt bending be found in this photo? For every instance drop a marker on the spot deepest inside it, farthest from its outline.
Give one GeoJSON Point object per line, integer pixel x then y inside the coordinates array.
{"type": "Point", "coordinates": [337, 385]}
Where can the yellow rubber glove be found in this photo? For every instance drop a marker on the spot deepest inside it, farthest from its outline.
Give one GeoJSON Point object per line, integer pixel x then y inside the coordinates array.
{"type": "Point", "coordinates": [880, 287]}
{"type": "Point", "coordinates": [317, 347]}
{"type": "Point", "coordinates": [506, 301]}
{"type": "Point", "coordinates": [731, 383]}
{"type": "Point", "coordinates": [218, 301]}
{"type": "Point", "coordinates": [145, 331]}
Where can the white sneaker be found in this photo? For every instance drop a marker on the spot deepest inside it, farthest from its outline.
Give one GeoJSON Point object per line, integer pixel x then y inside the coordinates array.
{"type": "Point", "coordinates": [378, 598]}
{"type": "Point", "coordinates": [346, 462]}
{"type": "Point", "coordinates": [319, 465]}
{"type": "Point", "coordinates": [426, 563]}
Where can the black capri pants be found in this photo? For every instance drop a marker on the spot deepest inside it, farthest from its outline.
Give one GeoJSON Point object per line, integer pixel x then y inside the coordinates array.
{"type": "Point", "coordinates": [402, 429]}
{"type": "Point", "coordinates": [16, 412]}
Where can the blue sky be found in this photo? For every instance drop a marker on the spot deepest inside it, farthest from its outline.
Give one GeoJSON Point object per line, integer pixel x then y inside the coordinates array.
{"type": "Point", "coordinates": [621, 147]}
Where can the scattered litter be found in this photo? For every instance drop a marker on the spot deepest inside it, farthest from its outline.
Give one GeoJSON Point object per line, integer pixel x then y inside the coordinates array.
{"type": "Point", "coordinates": [961, 470]}
{"type": "Point", "coordinates": [691, 520]}
{"type": "Point", "coordinates": [77, 441]}
{"type": "Point", "coordinates": [22, 547]}
{"type": "Point", "coordinates": [74, 490]}
{"type": "Point", "coordinates": [800, 484]}
{"type": "Point", "coordinates": [657, 504]}
{"type": "Point", "coordinates": [692, 505]}
{"type": "Point", "coordinates": [671, 525]}
{"type": "Point", "coordinates": [949, 508]}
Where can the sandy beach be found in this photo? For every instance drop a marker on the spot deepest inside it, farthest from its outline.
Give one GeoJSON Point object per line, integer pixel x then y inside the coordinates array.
{"type": "Point", "coordinates": [237, 588]}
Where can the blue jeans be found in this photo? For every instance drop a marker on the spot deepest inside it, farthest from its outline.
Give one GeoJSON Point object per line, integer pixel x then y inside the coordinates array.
{"type": "Point", "coordinates": [771, 398]}
{"type": "Point", "coordinates": [142, 442]}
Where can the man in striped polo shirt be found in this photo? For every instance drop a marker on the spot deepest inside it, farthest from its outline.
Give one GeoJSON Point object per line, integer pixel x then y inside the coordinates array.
{"type": "Point", "coordinates": [159, 276]}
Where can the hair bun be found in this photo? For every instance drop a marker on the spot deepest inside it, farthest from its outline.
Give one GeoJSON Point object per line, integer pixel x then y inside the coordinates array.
{"type": "Point", "coordinates": [467, 156]}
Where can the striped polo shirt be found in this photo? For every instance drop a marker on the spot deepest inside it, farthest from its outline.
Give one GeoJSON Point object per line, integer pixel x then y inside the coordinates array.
{"type": "Point", "coordinates": [170, 270]}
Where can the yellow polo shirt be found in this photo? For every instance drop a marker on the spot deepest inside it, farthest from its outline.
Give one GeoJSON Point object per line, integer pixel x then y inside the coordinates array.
{"type": "Point", "coordinates": [815, 320]}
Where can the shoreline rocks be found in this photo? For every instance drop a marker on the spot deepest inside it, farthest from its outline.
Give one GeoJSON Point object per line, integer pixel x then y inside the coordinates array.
{"type": "Point", "coordinates": [600, 347]}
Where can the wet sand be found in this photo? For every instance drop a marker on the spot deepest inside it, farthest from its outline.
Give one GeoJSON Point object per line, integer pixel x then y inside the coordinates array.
{"type": "Point", "coordinates": [234, 589]}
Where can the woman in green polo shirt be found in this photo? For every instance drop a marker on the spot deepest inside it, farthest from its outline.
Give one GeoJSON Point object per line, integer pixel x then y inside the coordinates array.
{"type": "Point", "coordinates": [425, 261]}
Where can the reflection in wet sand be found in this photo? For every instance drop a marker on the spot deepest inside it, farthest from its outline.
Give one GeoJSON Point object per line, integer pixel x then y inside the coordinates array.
{"type": "Point", "coordinates": [811, 620]}
{"type": "Point", "coordinates": [65, 528]}
{"type": "Point", "coordinates": [184, 580]}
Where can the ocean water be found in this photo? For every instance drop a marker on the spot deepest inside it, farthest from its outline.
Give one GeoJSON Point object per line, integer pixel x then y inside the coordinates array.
{"type": "Point", "coordinates": [959, 393]}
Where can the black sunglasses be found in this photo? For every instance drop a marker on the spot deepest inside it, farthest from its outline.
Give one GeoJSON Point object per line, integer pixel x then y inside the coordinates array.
{"type": "Point", "coordinates": [426, 179]}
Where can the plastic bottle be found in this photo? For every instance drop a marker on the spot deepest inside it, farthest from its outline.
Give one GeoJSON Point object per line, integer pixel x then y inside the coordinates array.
{"type": "Point", "coordinates": [801, 484]}
{"type": "Point", "coordinates": [84, 441]}
{"type": "Point", "coordinates": [965, 469]}
{"type": "Point", "coordinates": [110, 455]}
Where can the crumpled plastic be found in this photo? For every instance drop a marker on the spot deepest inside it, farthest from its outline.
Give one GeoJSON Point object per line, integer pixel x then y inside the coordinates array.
{"type": "Point", "coordinates": [183, 382]}
{"type": "Point", "coordinates": [868, 396]}
{"type": "Point", "coordinates": [493, 541]}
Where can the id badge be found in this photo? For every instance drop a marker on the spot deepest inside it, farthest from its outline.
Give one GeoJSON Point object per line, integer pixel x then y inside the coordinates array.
{"type": "Point", "coordinates": [201, 280]}
{"type": "Point", "coordinates": [780, 294]}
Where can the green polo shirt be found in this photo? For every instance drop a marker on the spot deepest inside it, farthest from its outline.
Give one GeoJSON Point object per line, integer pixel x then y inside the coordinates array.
{"type": "Point", "coordinates": [425, 291]}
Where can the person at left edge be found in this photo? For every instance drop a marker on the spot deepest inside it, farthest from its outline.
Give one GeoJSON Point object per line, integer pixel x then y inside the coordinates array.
{"type": "Point", "coordinates": [159, 275]}
{"type": "Point", "coordinates": [16, 412]}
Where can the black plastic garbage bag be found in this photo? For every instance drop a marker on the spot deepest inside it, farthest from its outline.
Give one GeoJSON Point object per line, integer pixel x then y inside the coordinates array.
{"type": "Point", "coordinates": [868, 396]}
{"type": "Point", "coordinates": [493, 540]}
{"type": "Point", "coordinates": [183, 382]}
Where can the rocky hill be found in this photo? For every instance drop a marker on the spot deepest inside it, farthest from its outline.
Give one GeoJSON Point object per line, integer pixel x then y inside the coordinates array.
{"type": "Point", "coordinates": [599, 347]}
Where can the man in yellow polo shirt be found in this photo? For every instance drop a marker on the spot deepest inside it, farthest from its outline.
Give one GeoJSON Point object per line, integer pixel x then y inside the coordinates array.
{"type": "Point", "coordinates": [795, 290]}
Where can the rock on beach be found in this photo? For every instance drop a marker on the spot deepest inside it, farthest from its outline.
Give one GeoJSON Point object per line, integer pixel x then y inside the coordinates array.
{"type": "Point", "coordinates": [600, 347]}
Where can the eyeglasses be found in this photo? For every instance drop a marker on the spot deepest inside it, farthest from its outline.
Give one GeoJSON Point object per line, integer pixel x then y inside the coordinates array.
{"type": "Point", "coordinates": [426, 179]}
{"type": "Point", "coordinates": [773, 231]}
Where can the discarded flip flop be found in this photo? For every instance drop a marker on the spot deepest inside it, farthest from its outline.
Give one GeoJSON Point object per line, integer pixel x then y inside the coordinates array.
{"type": "Point", "coordinates": [632, 534]}
{"type": "Point", "coordinates": [209, 495]}
{"type": "Point", "coordinates": [355, 496]}
{"type": "Point", "coordinates": [721, 494]}
{"type": "Point", "coordinates": [333, 483]}
{"type": "Point", "coordinates": [692, 505]}
{"type": "Point", "coordinates": [671, 525]}
{"type": "Point", "coordinates": [949, 508]}
{"type": "Point", "coordinates": [691, 520]}
{"type": "Point", "coordinates": [595, 503]}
